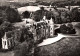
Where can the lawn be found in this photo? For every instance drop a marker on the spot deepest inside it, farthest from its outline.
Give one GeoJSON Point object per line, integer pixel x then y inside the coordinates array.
{"type": "Point", "coordinates": [10, 53]}
{"type": "Point", "coordinates": [64, 47]}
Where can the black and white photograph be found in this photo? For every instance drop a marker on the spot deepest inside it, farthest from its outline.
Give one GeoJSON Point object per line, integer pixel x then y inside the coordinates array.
{"type": "Point", "coordinates": [39, 27]}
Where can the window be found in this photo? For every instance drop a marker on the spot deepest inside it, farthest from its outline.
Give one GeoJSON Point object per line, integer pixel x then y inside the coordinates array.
{"type": "Point", "coordinates": [8, 42]}
{"type": "Point", "coordinates": [5, 42]}
{"type": "Point", "coordinates": [51, 28]}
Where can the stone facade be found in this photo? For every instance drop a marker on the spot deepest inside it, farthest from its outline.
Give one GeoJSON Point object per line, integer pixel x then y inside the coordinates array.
{"type": "Point", "coordinates": [42, 29]}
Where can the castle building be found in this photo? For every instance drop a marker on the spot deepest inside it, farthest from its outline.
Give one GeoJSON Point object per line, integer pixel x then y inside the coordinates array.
{"type": "Point", "coordinates": [7, 41]}
{"type": "Point", "coordinates": [42, 29]}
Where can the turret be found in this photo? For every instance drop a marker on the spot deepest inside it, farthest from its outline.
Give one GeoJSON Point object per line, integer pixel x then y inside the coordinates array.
{"type": "Point", "coordinates": [7, 41]}
{"type": "Point", "coordinates": [51, 24]}
{"type": "Point", "coordinates": [5, 37]}
{"type": "Point", "coordinates": [44, 17]}
{"type": "Point", "coordinates": [4, 42]}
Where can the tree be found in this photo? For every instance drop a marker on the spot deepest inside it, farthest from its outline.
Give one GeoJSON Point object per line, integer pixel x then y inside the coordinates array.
{"type": "Point", "coordinates": [38, 15]}
{"type": "Point", "coordinates": [9, 14]}
{"type": "Point", "coordinates": [26, 14]}
{"type": "Point", "coordinates": [22, 49]}
{"type": "Point", "coordinates": [2, 14]}
{"type": "Point", "coordinates": [1, 20]}
{"type": "Point", "coordinates": [70, 29]}
{"type": "Point", "coordinates": [12, 15]}
{"type": "Point", "coordinates": [23, 34]}
{"type": "Point", "coordinates": [75, 15]}
{"type": "Point", "coordinates": [63, 29]}
{"type": "Point", "coordinates": [50, 15]}
{"type": "Point", "coordinates": [6, 26]}
{"type": "Point", "coordinates": [67, 29]}
{"type": "Point", "coordinates": [27, 46]}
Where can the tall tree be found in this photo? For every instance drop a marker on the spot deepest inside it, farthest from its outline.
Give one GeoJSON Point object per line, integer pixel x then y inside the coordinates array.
{"type": "Point", "coordinates": [38, 15]}
{"type": "Point", "coordinates": [12, 15]}
{"type": "Point", "coordinates": [75, 14]}
{"type": "Point", "coordinates": [26, 14]}
{"type": "Point", "coordinates": [6, 26]}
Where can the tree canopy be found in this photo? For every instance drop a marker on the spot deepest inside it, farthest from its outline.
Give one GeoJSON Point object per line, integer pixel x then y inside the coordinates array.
{"type": "Point", "coordinates": [26, 14]}
{"type": "Point", "coordinates": [6, 26]}
{"type": "Point", "coordinates": [38, 15]}
{"type": "Point", "coordinates": [12, 15]}
{"type": "Point", "coordinates": [75, 15]}
{"type": "Point", "coordinates": [9, 14]}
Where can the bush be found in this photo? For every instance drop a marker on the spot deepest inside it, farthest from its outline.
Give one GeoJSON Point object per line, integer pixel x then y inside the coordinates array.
{"type": "Point", "coordinates": [57, 31]}
{"type": "Point", "coordinates": [25, 49]}
{"type": "Point", "coordinates": [67, 29]}
{"type": "Point", "coordinates": [63, 28]}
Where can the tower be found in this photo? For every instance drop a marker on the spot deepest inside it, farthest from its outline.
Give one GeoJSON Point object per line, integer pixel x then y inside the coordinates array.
{"type": "Point", "coordinates": [4, 42]}
{"type": "Point", "coordinates": [51, 24]}
{"type": "Point", "coordinates": [7, 41]}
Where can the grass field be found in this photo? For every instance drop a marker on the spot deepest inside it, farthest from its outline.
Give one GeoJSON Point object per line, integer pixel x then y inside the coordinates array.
{"type": "Point", "coordinates": [10, 53]}
{"type": "Point", "coordinates": [64, 47]}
